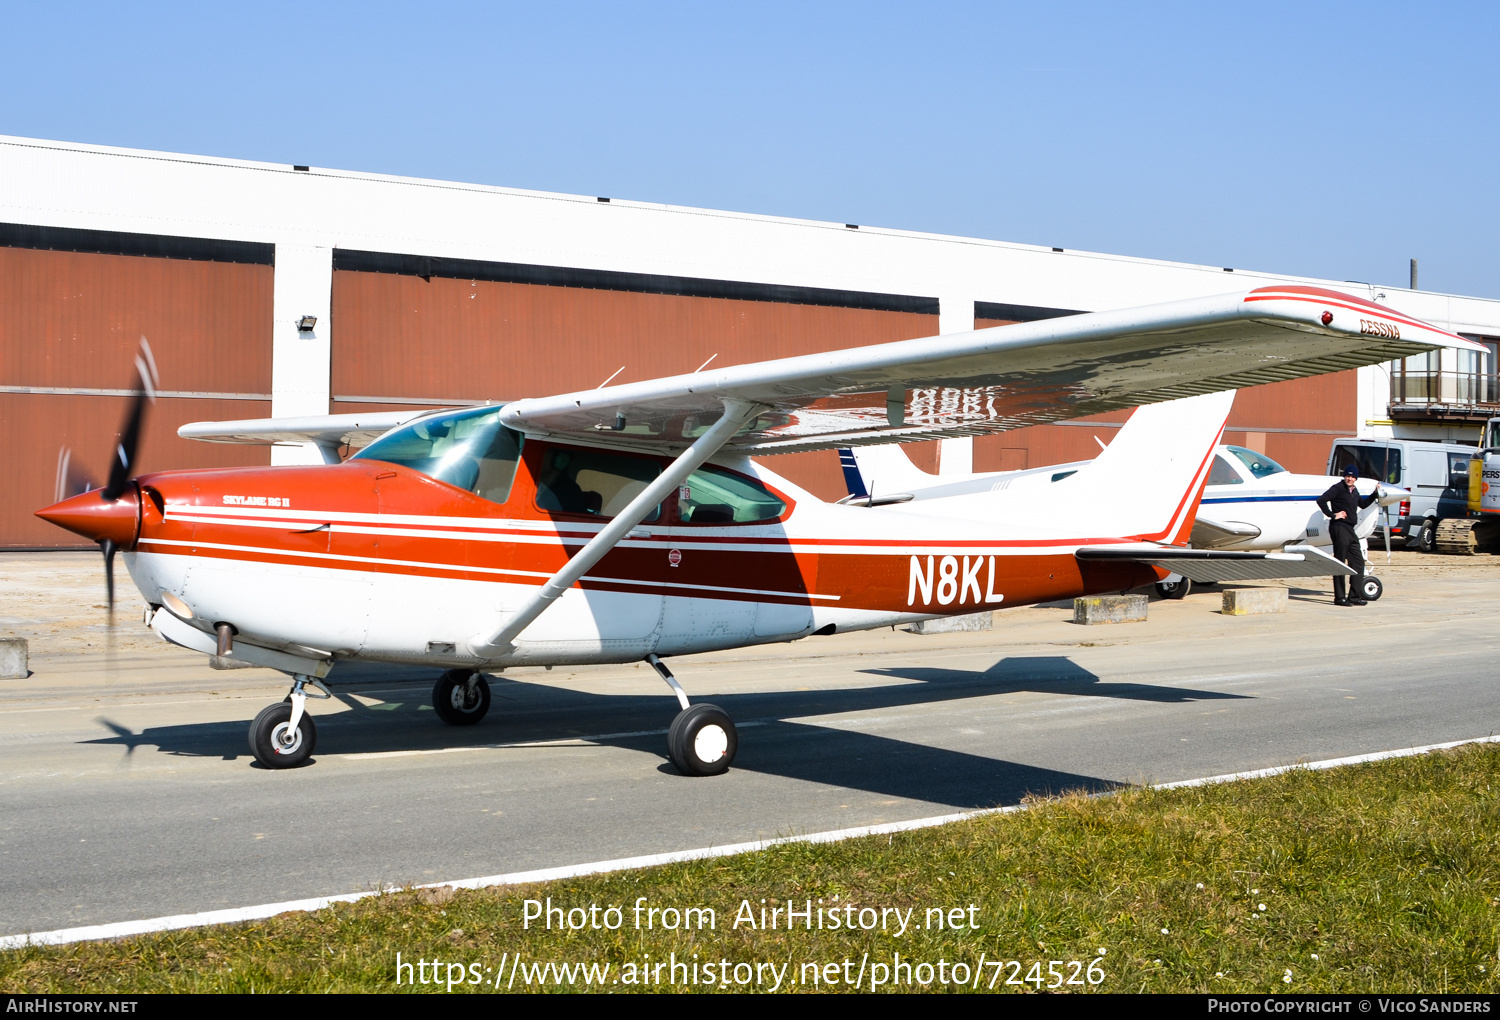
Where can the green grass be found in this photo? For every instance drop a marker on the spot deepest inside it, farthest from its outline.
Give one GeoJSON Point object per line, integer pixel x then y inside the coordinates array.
{"type": "Point", "coordinates": [1388, 872]}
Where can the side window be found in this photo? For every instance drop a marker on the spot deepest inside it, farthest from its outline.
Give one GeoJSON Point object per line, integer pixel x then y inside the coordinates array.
{"type": "Point", "coordinates": [1223, 474]}
{"type": "Point", "coordinates": [712, 495]}
{"type": "Point", "coordinates": [592, 482]}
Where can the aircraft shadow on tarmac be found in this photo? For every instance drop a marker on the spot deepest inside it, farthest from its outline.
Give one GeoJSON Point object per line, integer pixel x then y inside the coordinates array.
{"type": "Point", "coordinates": [1052, 674]}
{"type": "Point", "coordinates": [772, 740]}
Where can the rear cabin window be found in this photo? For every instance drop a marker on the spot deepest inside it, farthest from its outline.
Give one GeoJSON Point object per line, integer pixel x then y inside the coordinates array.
{"type": "Point", "coordinates": [467, 449]}
{"type": "Point", "coordinates": [1223, 474]}
{"type": "Point", "coordinates": [713, 495]}
{"type": "Point", "coordinates": [592, 482]}
{"type": "Point", "coordinates": [1382, 462]}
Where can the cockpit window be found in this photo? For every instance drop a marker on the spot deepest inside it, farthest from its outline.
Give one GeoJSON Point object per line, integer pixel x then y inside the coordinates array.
{"type": "Point", "coordinates": [467, 449]}
{"type": "Point", "coordinates": [576, 481]}
{"type": "Point", "coordinates": [1259, 464]}
{"type": "Point", "coordinates": [712, 495]}
{"type": "Point", "coordinates": [1223, 474]}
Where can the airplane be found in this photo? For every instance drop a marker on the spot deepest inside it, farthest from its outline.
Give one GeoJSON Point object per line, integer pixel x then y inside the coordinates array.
{"type": "Point", "coordinates": [1249, 503]}
{"type": "Point", "coordinates": [629, 522]}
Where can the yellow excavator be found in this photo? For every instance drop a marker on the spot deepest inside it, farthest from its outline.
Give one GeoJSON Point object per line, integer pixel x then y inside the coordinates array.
{"type": "Point", "coordinates": [1480, 530]}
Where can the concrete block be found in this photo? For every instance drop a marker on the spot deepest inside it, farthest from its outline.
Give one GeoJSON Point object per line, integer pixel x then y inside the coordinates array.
{"type": "Point", "coordinates": [1248, 601]}
{"type": "Point", "coordinates": [955, 624]}
{"type": "Point", "coordinates": [1110, 609]}
{"type": "Point", "coordinates": [13, 659]}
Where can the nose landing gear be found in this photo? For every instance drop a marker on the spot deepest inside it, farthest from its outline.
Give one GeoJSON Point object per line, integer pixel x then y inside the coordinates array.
{"type": "Point", "coordinates": [283, 736]}
{"type": "Point", "coordinates": [702, 740]}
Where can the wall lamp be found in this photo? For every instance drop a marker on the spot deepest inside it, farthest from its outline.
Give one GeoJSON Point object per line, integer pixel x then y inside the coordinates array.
{"type": "Point", "coordinates": [306, 323]}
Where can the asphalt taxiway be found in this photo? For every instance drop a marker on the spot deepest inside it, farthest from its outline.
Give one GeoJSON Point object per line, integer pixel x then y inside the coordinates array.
{"type": "Point", "coordinates": [127, 788]}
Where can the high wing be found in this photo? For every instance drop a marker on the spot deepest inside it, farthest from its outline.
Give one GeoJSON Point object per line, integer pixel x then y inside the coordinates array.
{"type": "Point", "coordinates": [991, 380]}
{"type": "Point", "coordinates": [976, 383]}
{"type": "Point", "coordinates": [358, 429]}
{"type": "Point", "coordinates": [327, 431]}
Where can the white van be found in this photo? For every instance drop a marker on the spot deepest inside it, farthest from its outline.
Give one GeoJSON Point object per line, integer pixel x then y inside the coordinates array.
{"type": "Point", "coordinates": [1437, 474]}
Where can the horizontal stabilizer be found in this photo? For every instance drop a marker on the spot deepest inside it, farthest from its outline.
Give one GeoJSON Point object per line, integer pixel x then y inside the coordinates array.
{"type": "Point", "coordinates": [1210, 565]}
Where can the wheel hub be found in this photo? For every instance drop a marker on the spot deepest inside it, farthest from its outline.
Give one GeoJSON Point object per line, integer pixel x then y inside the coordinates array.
{"type": "Point", "coordinates": [285, 739]}
{"type": "Point", "coordinates": [710, 743]}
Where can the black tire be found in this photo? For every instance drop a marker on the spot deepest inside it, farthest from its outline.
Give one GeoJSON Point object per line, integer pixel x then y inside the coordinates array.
{"type": "Point", "coordinates": [1427, 536]}
{"type": "Point", "coordinates": [269, 737]}
{"type": "Point", "coordinates": [1370, 588]}
{"type": "Point", "coordinates": [1174, 589]}
{"type": "Point", "coordinates": [702, 741]}
{"type": "Point", "coordinates": [459, 703]}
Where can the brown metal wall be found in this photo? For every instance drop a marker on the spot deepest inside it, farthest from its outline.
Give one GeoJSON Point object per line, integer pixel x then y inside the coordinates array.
{"type": "Point", "coordinates": [1326, 404]}
{"type": "Point", "coordinates": [70, 319]}
{"type": "Point", "coordinates": [403, 336]}
{"type": "Point", "coordinates": [74, 320]}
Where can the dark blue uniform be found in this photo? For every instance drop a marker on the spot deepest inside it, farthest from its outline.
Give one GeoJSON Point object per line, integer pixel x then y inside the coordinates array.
{"type": "Point", "coordinates": [1342, 496]}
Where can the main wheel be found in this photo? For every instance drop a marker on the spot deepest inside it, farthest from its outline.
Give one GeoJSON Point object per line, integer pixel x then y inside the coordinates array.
{"type": "Point", "coordinates": [461, 697]}
{"type": "Point", "coordinates": [275, 744]}
{"type": "Point", "coordinates": [702, 740]}
{"type": "Point", "coordinates": [1177, 589]}
{"type": "Point", "coordinates": [1370, 588]}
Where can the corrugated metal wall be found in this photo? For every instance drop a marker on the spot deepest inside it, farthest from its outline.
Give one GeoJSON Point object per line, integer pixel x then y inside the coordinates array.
{"type": "Point", "coordinates": [72, 321]}
{"type": "Point", "coordinates": [398, 337]}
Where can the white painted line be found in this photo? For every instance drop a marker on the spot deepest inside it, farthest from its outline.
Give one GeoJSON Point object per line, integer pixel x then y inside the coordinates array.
{"type": "Point", "coordinates": [121, 929]}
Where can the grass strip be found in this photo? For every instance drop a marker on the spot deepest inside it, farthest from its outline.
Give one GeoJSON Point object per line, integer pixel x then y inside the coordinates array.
{"type": "Point", "coordinates": [1380, 877]}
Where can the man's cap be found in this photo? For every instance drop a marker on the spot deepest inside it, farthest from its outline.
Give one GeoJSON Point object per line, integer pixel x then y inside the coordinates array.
{"type": "Point", "coordinates": [1351, 469]}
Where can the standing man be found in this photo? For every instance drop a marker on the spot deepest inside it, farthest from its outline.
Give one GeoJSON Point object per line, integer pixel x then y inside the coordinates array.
{"type": "Point", "coordinates": [1342, 504]}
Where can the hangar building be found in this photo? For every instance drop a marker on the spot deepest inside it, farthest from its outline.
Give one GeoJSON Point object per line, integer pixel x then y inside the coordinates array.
{"type": "Point", "coordinates": [430, 293]}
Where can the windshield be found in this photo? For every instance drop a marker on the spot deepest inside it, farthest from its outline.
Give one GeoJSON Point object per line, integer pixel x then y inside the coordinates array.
{"type": "Point", "coordinates": [1259, 464]}
{"type": "Point", "coordinates": [468, 449]}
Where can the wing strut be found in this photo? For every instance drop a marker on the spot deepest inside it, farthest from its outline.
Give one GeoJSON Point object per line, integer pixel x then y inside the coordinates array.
{"type": "Point", "coordinates": [736, 414]}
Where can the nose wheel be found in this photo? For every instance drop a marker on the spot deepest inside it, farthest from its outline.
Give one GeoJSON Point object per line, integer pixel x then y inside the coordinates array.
{"type": "Point", "coordinates": [283, 735]}
{"type": "Point", "coordinates": [702, 740]}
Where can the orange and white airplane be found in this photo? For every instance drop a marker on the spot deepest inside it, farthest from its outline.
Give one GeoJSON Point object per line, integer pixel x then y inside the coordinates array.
{"type": "Point", "coordinates": [629, 523]}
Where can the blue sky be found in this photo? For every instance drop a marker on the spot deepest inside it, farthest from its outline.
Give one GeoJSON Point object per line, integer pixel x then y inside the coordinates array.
{"type": "Point", "coordinates": [1334, 140]}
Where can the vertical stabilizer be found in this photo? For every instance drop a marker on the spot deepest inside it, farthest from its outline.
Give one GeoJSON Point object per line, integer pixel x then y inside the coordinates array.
{"type": "Point", "coordinates": [1152, 475]}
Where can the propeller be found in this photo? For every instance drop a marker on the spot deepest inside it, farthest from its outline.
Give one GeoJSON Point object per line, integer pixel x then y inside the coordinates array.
{"type": "Point", "coordinates": [121, 466]}
{"type": "Point", "coordinates": [71, 479]}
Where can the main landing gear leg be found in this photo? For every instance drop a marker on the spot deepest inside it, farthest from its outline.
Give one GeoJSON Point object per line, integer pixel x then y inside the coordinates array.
{"type": "Point", "coordinates": [283, 735]}
{"type": "Point", "coordinates": [702, 740]}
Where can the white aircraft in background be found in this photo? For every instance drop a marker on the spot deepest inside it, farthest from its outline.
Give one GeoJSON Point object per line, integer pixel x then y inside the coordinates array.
{"type": "Point", "coordinates": [1250, 502]}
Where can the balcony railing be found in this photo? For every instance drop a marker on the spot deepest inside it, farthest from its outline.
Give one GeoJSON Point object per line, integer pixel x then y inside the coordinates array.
{"type": "Point", "coordinates": [1451, 396]}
